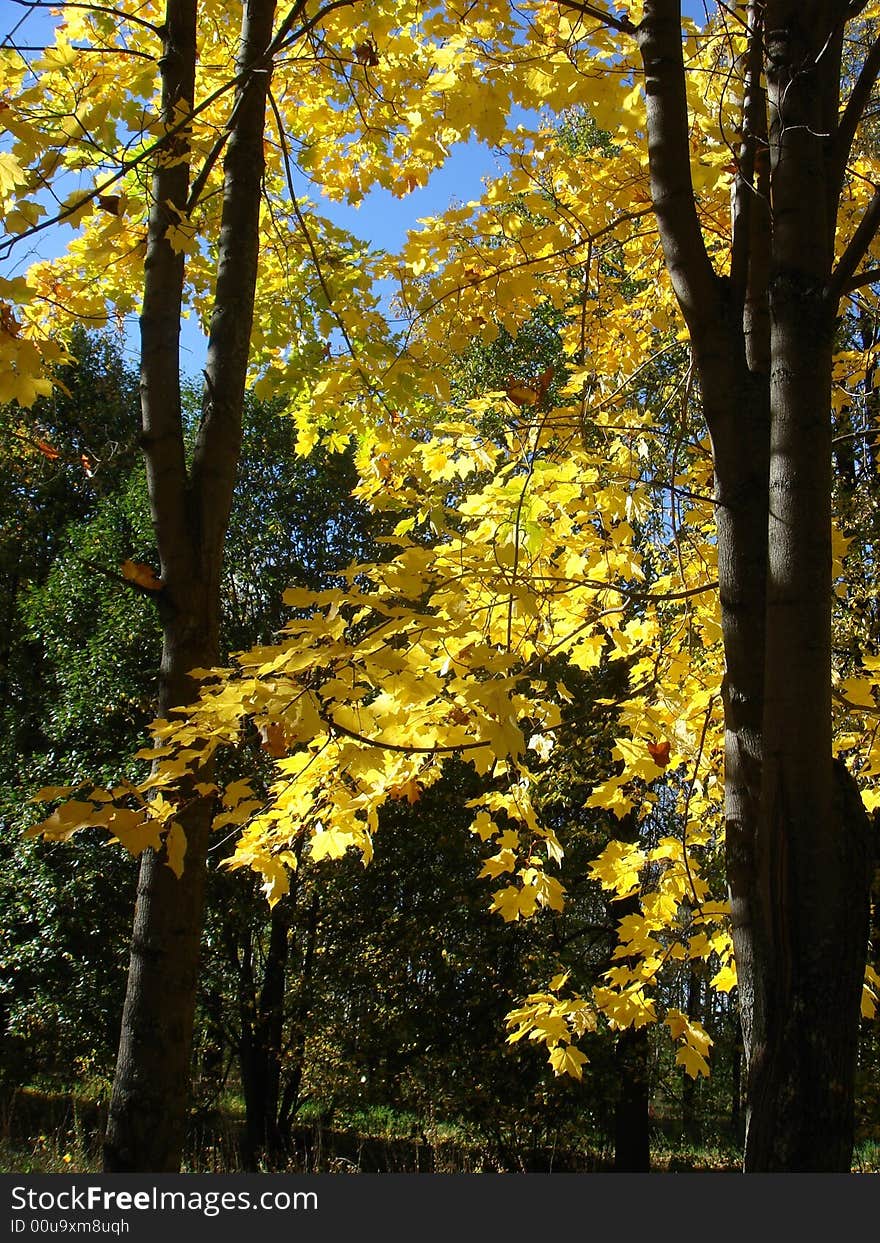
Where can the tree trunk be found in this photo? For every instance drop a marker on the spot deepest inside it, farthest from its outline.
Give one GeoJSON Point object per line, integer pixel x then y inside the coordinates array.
{"type": "Point", "coordinates": [632, 1054]}
{"type": "Point", "coordinates": [762, 340]}
{"type": "Point", "coordinates": [262, 1042]}
{"type": "Point", "coordinates": [190, 510]}
{"type": "Point", "coordinates": [809, 945]}
{"type": "Point", "coordinates": [632, 1124]}
{"type": "Point", "coordinates": [296, 1050]}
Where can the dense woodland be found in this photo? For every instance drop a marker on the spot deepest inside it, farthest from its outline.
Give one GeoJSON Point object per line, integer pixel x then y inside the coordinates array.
{"type": "Point", "coordinates": [470, 678]}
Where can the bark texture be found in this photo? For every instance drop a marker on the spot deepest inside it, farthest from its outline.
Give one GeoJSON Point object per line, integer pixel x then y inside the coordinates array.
{"type": "Point", "coordinates": [190, 509]}
{"type": "Point", "coordinates": [796, 830]}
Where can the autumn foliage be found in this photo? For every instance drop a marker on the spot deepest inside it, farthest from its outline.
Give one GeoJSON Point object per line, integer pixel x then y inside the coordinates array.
{"type": "Point", "coordinates": [540, 529]}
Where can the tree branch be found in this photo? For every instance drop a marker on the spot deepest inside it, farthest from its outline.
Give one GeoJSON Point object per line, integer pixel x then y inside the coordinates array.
{"type": "Point", "coordinates": [852, 115]}
{"type": "Point", "coordinates": [93, 8]}
{"type": "Point", "coordinates": [669, 159]}
{"type": "Point", "coordinates": [621, 24]}
{"type": "Point", "coordinates": [855, 251]}
{"type": "Point", "coordinates": [161, 417]}
{"type": "Point", "coordinates": [869, 277]}
{"type": "Point", "coordinates": [217, 448]}
{"type": "Point", "coordinates": [754, 130]}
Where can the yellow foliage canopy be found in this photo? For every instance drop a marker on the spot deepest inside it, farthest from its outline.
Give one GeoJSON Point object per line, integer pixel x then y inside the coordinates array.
{"type": "Point", "coordinates": [555, 528]}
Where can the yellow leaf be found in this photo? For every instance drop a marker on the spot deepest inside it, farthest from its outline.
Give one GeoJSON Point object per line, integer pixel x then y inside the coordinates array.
{"type": "Point", "coordinates": [141, 575]}
{"type": "Point", "coordinates": [11, 173]}
{"type": "Point", "coordinates": [567, 1060]}
{"type": "Point", "coordinates": [330, 843]}
{"type": "Point", "coordinates": [175, 847]}
{"type": "Point", "coordinates": [725, 979]}
{"type": "Point", "coordinates": [513, 903]}
{"type": "Point", "coordinates": [242, 812]}
{"type": "Point", "coordinates": [870, 993]}
{"type": "Point", "coordinates": [276, 879]}
{"type": "Point", "coordinates": [68, 819]}
{"type": "Point", "coordinates": [48, 794]}
{"type": "Point", "coordinates": [182, 237]}
{"type": "Point", "coordinates": [693, 1062]}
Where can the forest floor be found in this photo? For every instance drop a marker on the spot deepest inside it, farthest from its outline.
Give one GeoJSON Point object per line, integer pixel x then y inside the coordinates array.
{"type": "Point", "coordinates": [56, 1132]}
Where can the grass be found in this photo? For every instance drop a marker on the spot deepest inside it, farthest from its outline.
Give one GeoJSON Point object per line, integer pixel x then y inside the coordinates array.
{"type": "Point", "coordinates": [49, 1133]}
{"type": "Point", "coordinates": [52, 1132]}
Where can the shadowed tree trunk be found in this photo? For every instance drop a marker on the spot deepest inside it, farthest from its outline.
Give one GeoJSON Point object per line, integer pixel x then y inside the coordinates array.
{"type": "Point", "coordinates": [261, 1040]}
{"type": "Point", "coordinates": [762, 344]}
{"type": "Point", "coordinates": [632, 1124]}
{"type": "Point", "coordinates": [190, 510]}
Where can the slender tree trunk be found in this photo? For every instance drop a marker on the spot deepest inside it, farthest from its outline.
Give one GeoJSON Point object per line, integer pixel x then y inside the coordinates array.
{"type": "Point", "coordinates": [190, 510]}
{"type": "Point", "coordinates": [690, 1109]}
{"type": "Point", "coordinates": [631, 1123]}
{"type": "Point", "coordinates": [296, 1052]}
{"type": "Point", "coordinates": [736, 1118]}
{"type": "Point", "coordinates": [262, 1048]}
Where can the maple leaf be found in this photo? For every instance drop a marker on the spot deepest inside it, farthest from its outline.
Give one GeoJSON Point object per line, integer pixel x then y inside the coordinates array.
{"type": "Point", "coordinates": [568, 1060]}
{"type": "Point", "coordinates": [175, 848]}
{"type": "Point", "coordinates": [521, 393]}
{"type": "Point", "coordinates": [330, 843]}
{"type": "Point", "coordinates": [693, 1062]}
{"type": "Point", "coordinates": [367, 53]}
{"type": "Point", "coordinates": [409, 790]}
{"type": "Point", "coordinates": [510, 905]}
{"type": "Point", "coordinates": [273, 739]}
{"type": "Point", "coordinates": [870, 1002]}
{"type": "Point", "coordinates": [9, 325]}
{"type": "Point", "coordinates": [724, 979]}
{"type": "Point", "coordinates": [48, 794]}
{"type": "Point", "coordinates": [11, 173]}
{"type": "Point", "coordinates": [659, 753]}
{"type": "Point", "coordinates": [66, 820]}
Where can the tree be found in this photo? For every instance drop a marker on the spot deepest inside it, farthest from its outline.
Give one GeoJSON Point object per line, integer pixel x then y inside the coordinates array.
{"type": "Point", "coordinates": [441, 649]}
{"type": "Point", "coordinates": [190, 504]}
{"type": "Point", "coordinates": [763, 342]}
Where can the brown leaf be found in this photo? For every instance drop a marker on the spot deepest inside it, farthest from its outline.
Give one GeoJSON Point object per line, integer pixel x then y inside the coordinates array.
{"type": "Point", "coordinates": [8, 323]}
{"type": "Point", "coordinates": [109, 203]}
{"type": "Point", "coordinates": [48, 451]}
{"type": "Point", "coordinates": [366, 53]}
{"type": "Point", "coordinates": [659, 753]}
{"type": "Point", "coordinates": [273, 739]}
{"type": "Point", "coordinates": [543, 382]}
{"type": "Point", "coordinates": [521, 393]}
